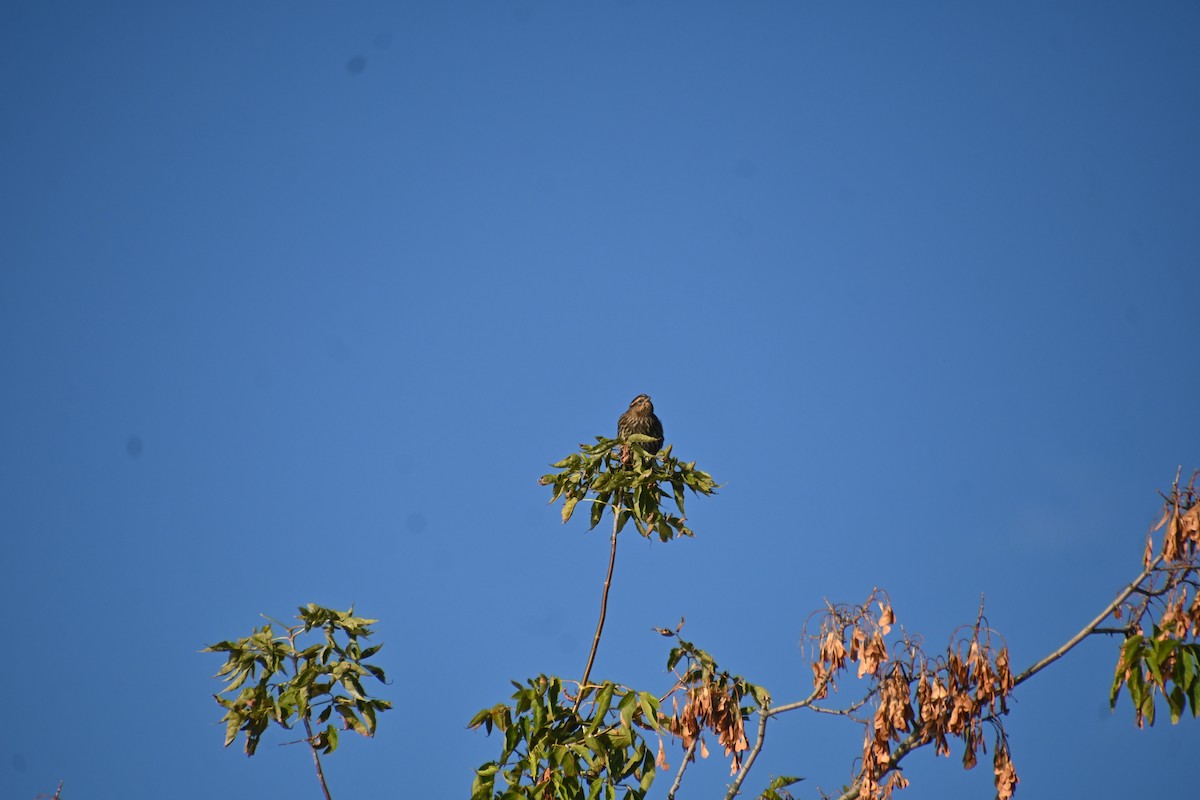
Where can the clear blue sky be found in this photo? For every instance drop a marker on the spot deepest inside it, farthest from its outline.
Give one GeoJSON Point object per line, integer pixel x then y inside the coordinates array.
{"type": "Point", "coordinates": [297, 300]}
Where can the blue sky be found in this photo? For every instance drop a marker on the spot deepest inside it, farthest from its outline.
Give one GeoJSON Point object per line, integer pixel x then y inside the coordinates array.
{"type": "Point", "coordinates": [298, 300]}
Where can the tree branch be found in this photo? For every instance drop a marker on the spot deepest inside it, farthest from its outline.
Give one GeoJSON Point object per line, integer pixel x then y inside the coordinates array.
{"type": "Point", "coordinates": [316, 758]}
{"type": "Point", "coordinates": [913, 740]}
{"type": "Point", "coordinates": [688, 755]}
{"type": "Point", "coordinates": [1090, 628]}
{"type": "Point", "coordinates": [808, 701]}
{"type": "Point", "coordinates": [612, 558]}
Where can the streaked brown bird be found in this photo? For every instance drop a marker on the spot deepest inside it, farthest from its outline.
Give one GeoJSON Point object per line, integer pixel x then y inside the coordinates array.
{"type": "Point", "coordinates": [640, 419]}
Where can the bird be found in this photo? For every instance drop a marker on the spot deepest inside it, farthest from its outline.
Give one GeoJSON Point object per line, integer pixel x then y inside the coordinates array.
{"type": "Point", "coordinates": [640, 418]}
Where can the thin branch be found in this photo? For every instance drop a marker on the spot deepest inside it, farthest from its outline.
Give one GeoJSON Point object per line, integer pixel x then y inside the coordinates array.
{"type": "Point", "coordinates": [845, 712]}
{"type": "Point", "coordinates": [808, 701]}
{"type": "Point", "coordinates": [688, 755]}
{"type": "Point", "coordinates": [316, 758]}
{"type": "Point", "coordinates": [612, 558]}
{"type": "Point", "coordinates": [913, 740]}
{"type": "Point", "coordinates": [57, 794]}
{"type": "Point", "coordinates": [734, 788]}
{"type": "Point", "coordinates": [1090, 628]}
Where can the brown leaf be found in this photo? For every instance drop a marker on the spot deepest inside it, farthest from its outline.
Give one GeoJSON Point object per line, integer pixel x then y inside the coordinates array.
{"type": "Point", "coordinates": [833, 652]}
{"type": "Point", "coordinates": [871, 655]}
{"type": "Point", "coordinates": [894, 781]}
{"type": "Point", "coordinates": [661, 760]}
{"type": "Point", "coordinates": [1189, 523]}
{"type": "Point", "coordinates": [887, 618]}
{"type": "Point", "coordinates": [1171, 540]}
{"type": "Point", "coordinates": [969, 760]}
{"type": "Point", "coordinates": [1006, 774]}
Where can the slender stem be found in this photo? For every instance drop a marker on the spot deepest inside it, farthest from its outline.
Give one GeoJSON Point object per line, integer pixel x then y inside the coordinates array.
{"type": "Point", "coordinates": [316, 758]}
{"type": "Point", "coordinates": [1090, 628]}
{"type": "Point", "coordinates": [808, 701]}
{"type": "Point", "coordinates": [612, 559]}
{"type": "Point", "coordinates": [688, 755]}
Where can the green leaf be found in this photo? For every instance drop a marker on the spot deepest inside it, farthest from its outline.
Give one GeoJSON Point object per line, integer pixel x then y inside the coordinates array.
{"type": "Point", "coordinates": [569, 508]}
{"type": "Point", "coordinates": [648, 773]}
{"type": "Point", "coordinates": [1163, 650]}
{"type": "Point", "coordinates": [1194, 697]}
{"type": "Point", "coordinates": [649, 705]}
{"type": "Point", "coordinates": [1152, 663]}
{"type": "Point", "coordinates": [1176, 702]}
{"type": "Point", "coordinates": [783, 781]}
{"type": "Point", "coordinates": [368, 713]}
{"type": "Point", "coordinates": [1185, 667]}
{"type": "Point", "coordinates": [598, 506]}
{"type": "Point", "coordinates": [627, 707]}
{"type": "Point", "coordinates": [1147, 707]}
{"type": "Point", "coordinates": [352, 722]}
{"type": "Point", "coordinates": [603, 701]}
{"type": "Point", "coordinates": [1130, 651]}
{"type": "Point", "coordinates": [231, 730]}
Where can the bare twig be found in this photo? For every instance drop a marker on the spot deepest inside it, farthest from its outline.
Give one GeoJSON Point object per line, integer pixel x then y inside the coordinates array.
{"type": "Point", "coordinates": [688, 755]}
{"type": "Point", "coordinates": [612, 558]}
{"type": "Point", "coordinates": [57, 794]}
{"type": "Point", "coordinates": [808, 701]}
{"type": "Point", "coordinates": [764, 714]}
{"type": "Point", "coordinates": [845, 712]}
{"type": "Point", "coordinates": [1090, 628]}
{"type": "Point", "coordinates": [316, 758]}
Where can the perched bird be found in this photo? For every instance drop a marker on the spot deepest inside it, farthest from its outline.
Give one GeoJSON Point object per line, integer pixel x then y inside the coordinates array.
{"type": "Point", "coordinates": [640, 419]}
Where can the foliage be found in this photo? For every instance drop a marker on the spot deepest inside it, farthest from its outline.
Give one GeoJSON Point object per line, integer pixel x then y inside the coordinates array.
{"type": "Point", "coordinates": [910, 696]}
{"type": "Point", "coordinates": [918, 697]}
{"type": "Point", "coordinates": [325, 677]}
{"type": "Point", "coordinates": [581, 740]}
{"type": "Point", "coordinates": [551, 749]}
{"type": "Point", "coordinates": [593, 747]}
{"type": "Point", "coordinates": [712, 701]}
{"type": "Point", "coordinates": [1165, 660]}
{"type": "Point", "coordinates": [629, 481]}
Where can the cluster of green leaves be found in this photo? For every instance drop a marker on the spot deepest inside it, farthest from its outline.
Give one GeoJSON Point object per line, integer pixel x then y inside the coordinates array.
{"type": "Point", "coordinates": [631, 481]}
{"type": "Point", "coordinates": [553, 750]}
{"type": "Point", "coordinates": [325, 677]}
{"type": "Point", "coordinates": [777, 788]}
{"type": "Point", "coordinates": [1158, 664]}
